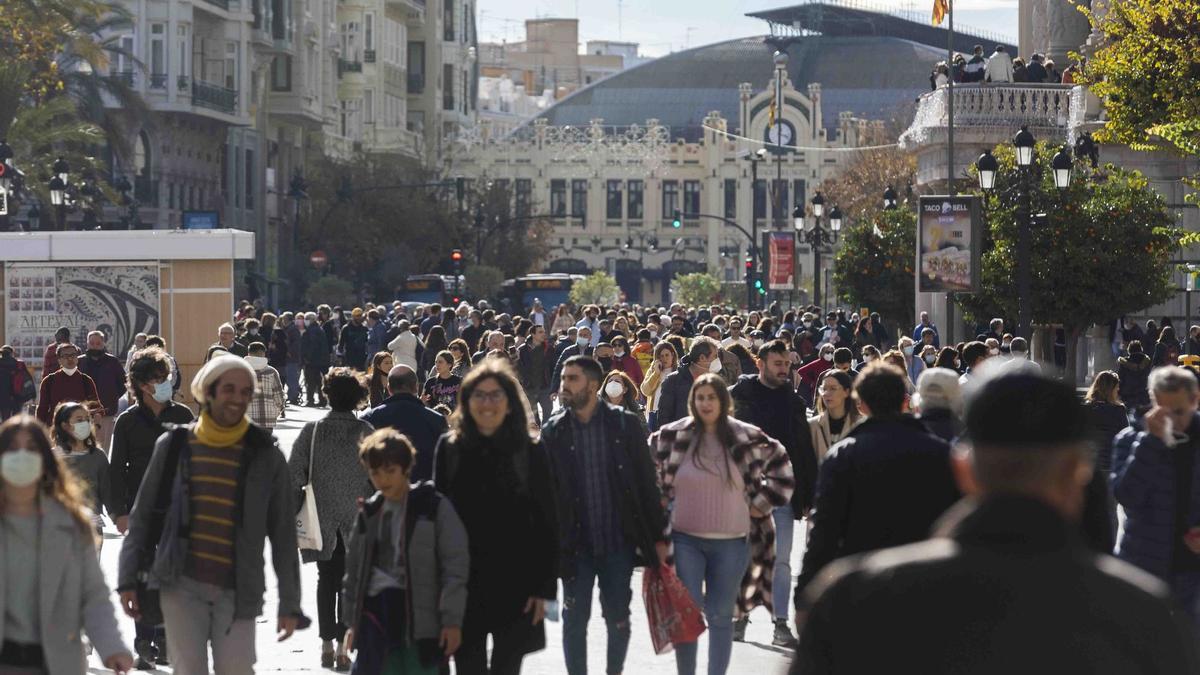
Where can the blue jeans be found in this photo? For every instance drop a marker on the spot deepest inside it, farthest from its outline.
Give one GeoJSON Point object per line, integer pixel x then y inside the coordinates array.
{"type": "Point", "coordinates": [717, 566]}
{"type": "Point", "coordinates": [614, 572]}
{"type": "Point", "coordinates": [293, 383]}
{"type": "Point", "coordinates": [781, 587]}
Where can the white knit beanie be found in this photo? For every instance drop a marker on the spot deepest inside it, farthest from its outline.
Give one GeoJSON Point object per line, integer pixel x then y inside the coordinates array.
{"type": "Point", "coordinates": [213, 370]}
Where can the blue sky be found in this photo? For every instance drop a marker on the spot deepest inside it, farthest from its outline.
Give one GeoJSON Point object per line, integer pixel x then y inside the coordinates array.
{"type": "Point", "coordinates": [662, 26]}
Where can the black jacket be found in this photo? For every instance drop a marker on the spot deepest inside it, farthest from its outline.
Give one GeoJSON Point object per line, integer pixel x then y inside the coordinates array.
{"type": "Point", "coordinates": [573, 350]}
{"type": "Point", "coordinates": [782, 415]}
{"type": "Point", "coordinates": [633, 476]}
{"type": "Point", "coordinates": [536, 366]}
{"type": "Point", "coordinates": [673, 399]}
{"type": "Point", "coordinates": [134, 435]}
{"type": "Point", "coordinates": [883, 485]}
{"type": "Point", "coordinates": [941, 423]}
{"type": "Point", "coordinates": [1007, 588]}
{"type": "Point", "coordinates": [1134, 371]}
{"type": "Point", "coordinates": [1108, 420]}
{"type": "Point", "coordinates": [315, 348]}
{"type": "Point", "coordinates": [408, 415]}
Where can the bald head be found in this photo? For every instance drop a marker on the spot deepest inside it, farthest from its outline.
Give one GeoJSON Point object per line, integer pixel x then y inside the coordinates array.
{"type": "Point", "coordinates": [402, 380]}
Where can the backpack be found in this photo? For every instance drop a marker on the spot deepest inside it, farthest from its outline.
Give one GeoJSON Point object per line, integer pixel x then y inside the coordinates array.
{"type": "Point", "coordinates": [23, 388]}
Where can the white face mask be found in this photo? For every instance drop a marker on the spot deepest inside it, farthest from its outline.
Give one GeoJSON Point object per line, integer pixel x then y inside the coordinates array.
{"type": "Point", "coordinates": [163, 391]}
{"type": "Point", "coordinates": [869, 358]}
{"type": "Point", "coordinates": [20, 467]}
{"type": "Point", "coordinates": [758, 343]}
{"type": "Point", "coordinates": [994, 352]}
{"type": "Point", "coordinates": [828, 356]}
{"type": "Point", "coordinates": [618, 353]}
{"type": "Point", "coordinates": [70, 371]}
{"type": "Point", "coordinates": [583, 341]}
{"type": "Point", "coordinates": [614, 389]}
{"type": "Point", "coordinates": [715, 365]}
{"type": "Point", "coordinates": [930, 358]}
{"type": "Point", "coordinates": [257, 362]}
{"type": "Point", "coordinates": [81, 430]}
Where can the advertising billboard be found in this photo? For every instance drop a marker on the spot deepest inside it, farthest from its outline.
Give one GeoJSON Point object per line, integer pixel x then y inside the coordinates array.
{"type": "Point", "coordinates": [949, 237]}
{"type": "Point", "coordinates": [781, 261]}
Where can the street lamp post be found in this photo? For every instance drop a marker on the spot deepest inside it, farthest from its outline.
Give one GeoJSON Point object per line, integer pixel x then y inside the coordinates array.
{"type": "Point", "coordinates": [755, 157]}
{"type": "Point", "coordinates": [818, 236]}
{"type": "Point", "coordinates": [1024, 145]}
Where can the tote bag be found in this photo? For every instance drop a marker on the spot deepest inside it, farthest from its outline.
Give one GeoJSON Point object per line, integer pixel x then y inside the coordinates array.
{"type": "Point", "coordinates": [308, 525]}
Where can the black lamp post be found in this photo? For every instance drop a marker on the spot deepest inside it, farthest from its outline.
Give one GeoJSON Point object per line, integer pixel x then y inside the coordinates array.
{"type": "Point", "coordinates": [755, 157]}
{"type": "Point", "coordinates": [1024, 144]}
{"type": "Point", "coordinates": [818, 236]}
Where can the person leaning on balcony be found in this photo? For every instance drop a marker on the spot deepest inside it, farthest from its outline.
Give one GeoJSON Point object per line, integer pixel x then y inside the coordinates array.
{"type": "Point", "coordinates": [999, 66]}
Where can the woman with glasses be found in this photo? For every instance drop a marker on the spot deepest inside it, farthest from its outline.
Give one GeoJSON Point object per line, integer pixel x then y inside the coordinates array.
{"type": "Point", "coordinates": [498, 478]}
{"type": "Point", "coordinates": [836, 414]}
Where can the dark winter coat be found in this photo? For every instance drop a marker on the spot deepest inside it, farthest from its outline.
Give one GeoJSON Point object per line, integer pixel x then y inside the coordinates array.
{"type": "Point", "coordinates": [1145, 487]}
{"type": "Point", "coordinates": [134, 435]}
{"type": "Point", "coordinates": [632, 477]}
{"type": "Point", "coordinates": [1108, 420]}
{"type": "Point", "coordinates": [673, 398]}
{"type": "Point", "coordinates": [408, 415]}
{"type": "Point", "coordinates": [1006, 586]}
{"type": "Point", "coordinates": [783, 416]}
{"type": "Point", "coordinates": [314, 347]}
{"type": "Point", "coordinates": [1134, 371]}
{"type": "Point", "coordinates": [884, 485]}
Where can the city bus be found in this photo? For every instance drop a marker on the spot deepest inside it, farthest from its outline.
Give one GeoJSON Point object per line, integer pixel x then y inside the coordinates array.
{"type": "Point", "coordinates": [551, 289]}
{"type": "Point", "coordinates": [431, 288]}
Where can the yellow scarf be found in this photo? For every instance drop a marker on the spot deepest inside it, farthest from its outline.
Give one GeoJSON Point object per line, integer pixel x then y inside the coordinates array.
{"type": "Point", "coordinates": [214, 435]}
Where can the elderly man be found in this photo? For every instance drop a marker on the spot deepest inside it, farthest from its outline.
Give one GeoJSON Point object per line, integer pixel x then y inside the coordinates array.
{"type": "Point", "coordinates": [226, 340]}
{"type": "Point", "coordinates": [403, 411]}
{"type": "Point", "coordinates": [209, 567]}
{"type": "Point", "coordinates": [108, 374]}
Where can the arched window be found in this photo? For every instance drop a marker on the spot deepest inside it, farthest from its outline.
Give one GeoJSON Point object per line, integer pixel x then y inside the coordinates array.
{"type": "Point", "coordinates": [141, 156]}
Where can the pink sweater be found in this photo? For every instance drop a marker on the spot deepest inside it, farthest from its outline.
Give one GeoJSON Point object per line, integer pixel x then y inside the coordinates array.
{"type": "Point", "coordinates": [708, 504]}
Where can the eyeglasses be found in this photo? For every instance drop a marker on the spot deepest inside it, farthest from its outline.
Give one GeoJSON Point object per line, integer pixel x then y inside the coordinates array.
{"type": "Point", "coordinates": [494, 396]}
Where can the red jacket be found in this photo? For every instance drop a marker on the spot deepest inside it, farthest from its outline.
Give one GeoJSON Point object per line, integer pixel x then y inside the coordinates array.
{"type": "Point", "coordinates": [812, 371]}
{"type": "Point", "coordinates": [630, 366]}
{"type": "Point", "coordinates": [50, 359]}
{"type": "Point", "coordinates": [58, 387]}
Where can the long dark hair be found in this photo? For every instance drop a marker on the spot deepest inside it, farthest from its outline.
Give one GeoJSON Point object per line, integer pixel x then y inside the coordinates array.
{"type": "Point", "coordinates": [513, 434]}
{"type": "Point", "coordinates": [436, 340]}
{"type": "Point", "coordinates": [629, 399]}
{"type": "Point", "coordinates": [723, 429]}
{"type": "Point", "coordinates": [64, 440]}
{"type": "Point", "coordinates": [57, 482]}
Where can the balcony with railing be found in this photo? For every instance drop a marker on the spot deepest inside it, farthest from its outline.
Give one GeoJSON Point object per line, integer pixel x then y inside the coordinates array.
{"type": "Point", "coordinates": [158, 80]}
{"type": "Point", "coordinates": [985, 115]}
{"type": "Point", "coordinates": [223, 4]}
{"type": "Point", "coordinates": [215, 97]}
{"type": "Point", "coordinates": [347, 66]}
{"type": "Point", "coordinates": [368, 56]}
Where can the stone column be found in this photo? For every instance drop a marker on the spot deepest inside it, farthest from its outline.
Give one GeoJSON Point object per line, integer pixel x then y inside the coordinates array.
{"type": "Point", "coordinates": [1058, 27]}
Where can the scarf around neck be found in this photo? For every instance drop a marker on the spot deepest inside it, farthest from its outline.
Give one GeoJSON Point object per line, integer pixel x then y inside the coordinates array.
{"type": "Point", "coordinates": [214, 435]}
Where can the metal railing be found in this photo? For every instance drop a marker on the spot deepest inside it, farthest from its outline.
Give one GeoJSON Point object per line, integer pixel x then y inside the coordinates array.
{"type": "Point", "coordinates": [214, 96]}
{"type": "Point", "coordinates": [368, 56]}
{"type": "Point", "coordinates": [1002, 106]}
{"type": "Point", "coordinates": [158, 80]}
{"type": "Point", "coordinates": [345, 66]}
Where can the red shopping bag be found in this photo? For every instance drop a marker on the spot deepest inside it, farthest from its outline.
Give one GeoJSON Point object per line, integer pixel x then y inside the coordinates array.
{"type": "Point", "coordinates": [673, 615]}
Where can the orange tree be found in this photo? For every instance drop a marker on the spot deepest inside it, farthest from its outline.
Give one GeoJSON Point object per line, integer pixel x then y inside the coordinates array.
{"type": "Point", "coordinates": [1101, 248]}
{"type": "Point", "coordinates": [874, 265]}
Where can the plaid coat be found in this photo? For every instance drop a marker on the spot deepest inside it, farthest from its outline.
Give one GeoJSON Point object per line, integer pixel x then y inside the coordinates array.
{"type": "Point", "coordinates": [767, 473]}
{"type": "Point", "coordinates": [268, 398]}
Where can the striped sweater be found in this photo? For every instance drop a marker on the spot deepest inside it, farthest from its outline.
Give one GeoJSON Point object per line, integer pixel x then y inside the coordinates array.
{"type": "Point", "coordinates": [214, 476]}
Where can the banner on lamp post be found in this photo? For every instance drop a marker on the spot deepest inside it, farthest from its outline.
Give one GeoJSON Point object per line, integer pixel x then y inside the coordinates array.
{"type": "Point", "coordinates": [781, 260]}
{"type": "Point", "coordinates": [949, 240]}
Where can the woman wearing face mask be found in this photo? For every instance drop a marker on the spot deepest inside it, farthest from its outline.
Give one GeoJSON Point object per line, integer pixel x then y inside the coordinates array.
{"type": "Point", "coordinates": [724, 477]}
{"type": "Point", "coordinates": [836, 412]}
{"type": "Point", "coordinates": [75, 442]}
{"type": "Point", "coordinates": [808, 374]}
{"type": "Point", "coordinates": [48, 548]}
{"type": "Point", "coordinates": [870, 354]}
{"type": "Point", "coordinates": [620, 391]}
{"type": "Point", "coordinates": [666, 359]}
{"type": "Point", "coordinates": [625, 362]}
{"type": "Point", "coordinates": [947, 358]}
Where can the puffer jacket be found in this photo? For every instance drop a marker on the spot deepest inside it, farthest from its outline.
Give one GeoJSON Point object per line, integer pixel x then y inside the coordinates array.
{"type": "Point", "coordinates": [1144, 485]}
{"type": "Point", "coordinates": [1134, 371]}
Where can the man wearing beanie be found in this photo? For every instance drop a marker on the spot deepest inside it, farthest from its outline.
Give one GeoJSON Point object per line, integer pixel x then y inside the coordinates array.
{"type": "Point", "coordinates": [1006, 584]}
{"type": "Point", "coordinates": [229, 490]}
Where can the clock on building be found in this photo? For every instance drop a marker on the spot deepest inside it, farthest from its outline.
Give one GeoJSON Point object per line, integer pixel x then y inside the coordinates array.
{"type": "Point", "coordinates": [780, 133]}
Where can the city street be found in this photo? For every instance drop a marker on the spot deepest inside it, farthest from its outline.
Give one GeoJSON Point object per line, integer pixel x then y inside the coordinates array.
{"type": "Point", "coordinates": [302, 652]}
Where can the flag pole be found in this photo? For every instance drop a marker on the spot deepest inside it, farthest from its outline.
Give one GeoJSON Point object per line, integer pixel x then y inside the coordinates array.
{"type": "Point", "coordinates": [950, 101]}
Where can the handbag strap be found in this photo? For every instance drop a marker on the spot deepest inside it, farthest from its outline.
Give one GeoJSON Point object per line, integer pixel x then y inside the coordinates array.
{"type": "Point", "coordinates": [312, 447]}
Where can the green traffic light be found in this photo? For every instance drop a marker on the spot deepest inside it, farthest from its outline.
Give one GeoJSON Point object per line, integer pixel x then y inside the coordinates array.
{"type": "Point", "coordinates": [676, 222]}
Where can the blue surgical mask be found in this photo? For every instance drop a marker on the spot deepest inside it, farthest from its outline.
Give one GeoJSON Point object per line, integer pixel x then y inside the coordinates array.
{"type": "Point", "coordinates": [163, 391]}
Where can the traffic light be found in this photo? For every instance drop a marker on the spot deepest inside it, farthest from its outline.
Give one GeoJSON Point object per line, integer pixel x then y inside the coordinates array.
{"type": "Point", "coordinates": [758, 286]}
{"type": "Point", "coordinates": [749, 269]}
{"type": "Point", "coordinates": [456, 257]}
{"type": "Point", "coordinates": [677, 220]}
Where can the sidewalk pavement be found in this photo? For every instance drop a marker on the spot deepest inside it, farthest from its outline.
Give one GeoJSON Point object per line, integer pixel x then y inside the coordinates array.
{"type": "Point", "coordinates": [302, 653]}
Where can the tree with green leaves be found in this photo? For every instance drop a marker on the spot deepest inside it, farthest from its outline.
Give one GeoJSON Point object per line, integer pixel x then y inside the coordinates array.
{"type": "Point", "coordinates": [1147, 72]}
{"type": "Point", "coordinates": [598, 288]}
{"type": "Point", "coordinates": [874, 265]}
{"type": "Point", "coordinates": [696, 289]}
{"type": "Point", "coordinates": [1103, 248]}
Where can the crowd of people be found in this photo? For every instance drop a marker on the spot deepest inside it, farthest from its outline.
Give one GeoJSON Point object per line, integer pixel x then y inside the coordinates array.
{"type": "Point", "coordinates": [1002, 67]}
{"type": "Point", "coordinates": [958, 509]}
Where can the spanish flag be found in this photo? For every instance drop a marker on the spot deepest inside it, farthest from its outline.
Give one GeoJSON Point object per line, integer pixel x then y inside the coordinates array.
{"type": "Point", "coordinates": [940, 9]}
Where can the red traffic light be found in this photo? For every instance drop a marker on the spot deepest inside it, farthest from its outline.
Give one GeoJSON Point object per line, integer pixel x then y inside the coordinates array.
{"type": "Point", "coordinates": [456, 255]}
{"type": "Point", "coordinates": [749, 263]}
{"type": "Point", "coordinates": [455, 300]}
